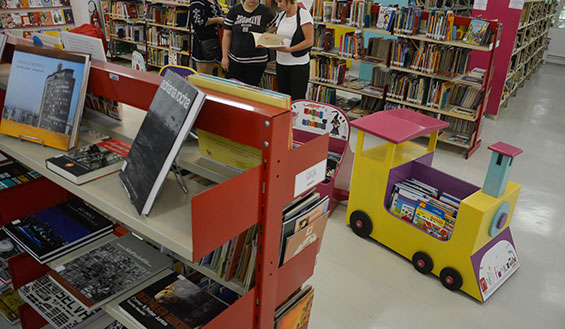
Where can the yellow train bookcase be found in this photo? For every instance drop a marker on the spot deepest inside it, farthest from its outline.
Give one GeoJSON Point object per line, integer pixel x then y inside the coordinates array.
{"type": "Point", "coordinates": [480, 254]}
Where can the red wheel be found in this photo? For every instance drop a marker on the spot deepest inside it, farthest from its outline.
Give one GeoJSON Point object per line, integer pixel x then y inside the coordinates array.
{"type": "Point", "coordinates": [451, 278]}
{"type": "Point", "coordinates": [422, 262]}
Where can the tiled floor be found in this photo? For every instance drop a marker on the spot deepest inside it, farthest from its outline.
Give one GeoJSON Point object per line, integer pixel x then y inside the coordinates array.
{"type": "Point", "coordinates": [363, 285]}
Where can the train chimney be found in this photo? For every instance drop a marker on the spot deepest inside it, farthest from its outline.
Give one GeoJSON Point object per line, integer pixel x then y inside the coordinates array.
{"type": "Point", "coordinates": [499, 168]}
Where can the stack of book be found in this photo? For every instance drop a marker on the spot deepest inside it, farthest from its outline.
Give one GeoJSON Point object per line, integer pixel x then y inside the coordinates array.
{"type": "Point", "coordinates": [462, 129]}
{"type": "Point", "coordinates": [425, 207]}
{"type": "Point", "coordinates": [378, 48]}
{"type": "Point", "coordinates": [467, 97]}
{"type": "Point", "coordinates": [56, 231]}
{"type": "Point", "coordinates": [10, 301]}
{"type": "Point", "coordinates": [13, 173]}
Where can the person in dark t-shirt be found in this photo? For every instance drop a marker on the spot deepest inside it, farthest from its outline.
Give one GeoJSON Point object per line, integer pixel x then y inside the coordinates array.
{"type": "Point", "coordinates": [240, 59]}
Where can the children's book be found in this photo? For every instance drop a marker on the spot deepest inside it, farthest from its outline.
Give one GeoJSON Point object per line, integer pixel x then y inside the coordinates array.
{"type": "Point", "coordinates": [90, 162]}
{"type": "Point", "coordinates": [475, 32]}
{"type": "Point", "coordinates": [270, 40]}
{"type": "Point", "coordinates": [46, 18]}
{"type": "Point", "coordinates": [385, 17]}
{"type": "Point", "coordinates": [100, 275]}
{"type": "Point", "coordinates": [45, 96]}
{"type": "Point", "coordinates": [295, 313]}
{"type": "Point", "coordinates": [55, 231]}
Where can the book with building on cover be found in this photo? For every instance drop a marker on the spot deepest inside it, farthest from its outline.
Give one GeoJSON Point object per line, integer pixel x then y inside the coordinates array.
{"type": "Point", "coordinates": [55, 305]}
{"type": "Point", "coordinates": [98, 276]}
{"type": "Point", "coordinates": [170, 117]}
{"type": "Point", "coordinates": [172, 302]}
{"type": "Point", "coordinates": [8, 249]}
{"type": "Point", "coordinates": [45, 96]}
{"type": "Point", "coordinates": [55, 231]}
{"type": "Point", "coordinates": [90, 162]}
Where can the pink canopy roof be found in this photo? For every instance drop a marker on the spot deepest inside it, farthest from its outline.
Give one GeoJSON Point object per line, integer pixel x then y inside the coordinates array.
{"type": "Point", "coordinates": [505, 149]}
{"type": "Point", "coordinates": [398, 126]}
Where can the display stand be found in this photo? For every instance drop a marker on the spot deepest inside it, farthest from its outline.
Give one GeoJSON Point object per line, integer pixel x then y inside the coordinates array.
{"type": "Point", "coordinates": [480, 255]}
{"type": "Point", "coordinates": [193, 228]}
{"type": "Point", "coordinates": [311, 119]}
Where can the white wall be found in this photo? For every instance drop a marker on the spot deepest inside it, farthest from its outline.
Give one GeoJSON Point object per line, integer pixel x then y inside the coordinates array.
{"type": "Point", "coordinates": [556, 51]}
{"type": "Point", "coordinates": [80, 11]}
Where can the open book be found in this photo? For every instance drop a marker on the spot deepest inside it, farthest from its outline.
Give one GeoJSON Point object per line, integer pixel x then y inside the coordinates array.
{"type": "Point", "coordinates": [270, 40]}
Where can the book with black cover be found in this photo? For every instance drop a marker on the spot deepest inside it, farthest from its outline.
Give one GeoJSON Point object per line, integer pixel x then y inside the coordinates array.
{"type": "Point", "coordinates": [8, 249]}
{"type": "Point", "coordinates": [45, 96]}
{"type": "Point", "coordinates": [98, 276]}
{"type": "Point", "coordinates": [116, 325]}
{"type": "Point", "coordinates": [172, 302]}
{"type": "Point", "coordinates": [55, 231]}
{"type": "Point", "coordinates": [170, 117]}
{"type": "Point", "coordinates": [90, 162]}
{"type": "Point", "coordinates": [55, 305]}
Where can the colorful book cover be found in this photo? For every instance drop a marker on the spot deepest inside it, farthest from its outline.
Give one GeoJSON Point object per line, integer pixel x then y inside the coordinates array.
{"type": "Point", "coordinates": [174, 302]}
{"type": "Point", "coordinates": [385, 16]}
{"type": "Point", "coordinates": [10, 301]}
{"type": "Point", "coordinates": [45, 96]}
{"type": "Point", "coordinates": [68, 16]}
{"type": "Point", "coordinates": [35, 3]}
{"type": "Point", "coordinates": [17, 4]}
{"type": "Point", "coordinates": [305, 237]}
{"type": "Point", "coordinates": [298, 315]}
{"type": "Point", "coordinates": [61, 3]}
{"type": "Point", "coordinates": [46, 3]}
{"type": "Point", "coordinates": [58, 18]}
{"type": "Point", "coordinates": [100, 275]}
{"type": "Point", "coordinates": [55, 305]}
{"type": "Point", "coordinates": [50, 233]}
{"type": "Point", "coordinates": [475, 32]}
{"type": "Point", "coordinates": [90, 162]}
{"type": "Point", "coordinates": [46, 18]}
{"type": "Point", "coordinates": [8, 249]}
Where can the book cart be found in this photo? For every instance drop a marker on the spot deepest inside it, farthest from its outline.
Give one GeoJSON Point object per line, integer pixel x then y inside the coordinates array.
{"type": "Point", "coordinates": [311, 119]}
{"type": "Point", "coordinates": [480, 255]}
{"type": "Point", "coordinates": [189, 226]}
{"type": "Point", "coordinates": [460, 124]}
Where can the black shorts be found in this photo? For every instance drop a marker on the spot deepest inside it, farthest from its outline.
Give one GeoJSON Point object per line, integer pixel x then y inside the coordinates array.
{"type": "Point", "coordinates": [198, 54]}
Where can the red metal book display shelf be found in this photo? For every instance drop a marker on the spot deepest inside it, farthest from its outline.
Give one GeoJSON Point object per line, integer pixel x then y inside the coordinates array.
{"type": "Point", "coordinates": [219, 214]}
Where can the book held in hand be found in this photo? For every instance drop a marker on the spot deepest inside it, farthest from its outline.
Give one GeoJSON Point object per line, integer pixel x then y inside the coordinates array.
{"type": "Point", "coordinates": [8, 249]}
{"type": "Point", "coordinates": [55, 231]}
{"type": "Point", "coordinates": [55, 305]}
{"type": "Point", "coordinates": [168, 121]}
{"type": "Point", "coordinates": [172, 302]}
{"type": "Point", "coordinates": [270, 40]}
{"type": "Point", "coordinates": [90, 162]}
{"type": "Point", "coordinates": [45, 96]}
{"type": "Point", "coordinates": [100, 275]}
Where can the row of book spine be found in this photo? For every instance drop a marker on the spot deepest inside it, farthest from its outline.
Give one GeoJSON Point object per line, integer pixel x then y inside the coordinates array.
{"type": "Point", "coordinates": [173, 16]}
{"type": "Point", "coordinates": [328, 70]}
{"type": "Point", "coordinates": [321, 94]}
{"type": "Point", "coordinates": [126, 9]}
{"type": "Point", "coordinates": [324, 39]}
{"type": "Point", "coordinates": [463, 127]}
{"type": "Point", "coordinates": [352, 45]}
{"type": "Point", "coordinates": [176, 40]}
{"type": "Point", "coordinates": [132, 32]}
{"type": "Point", "coordinates": [430, 58]}
{"type": "Point", "coordinates": [378, 48]}
{"type": "Point", "coordinates": [340, 12]}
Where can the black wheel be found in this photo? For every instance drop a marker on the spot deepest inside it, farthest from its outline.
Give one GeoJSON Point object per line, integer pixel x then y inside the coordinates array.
{"type": "Point", "coordinates": [450, 278]}
{"type": "Point", "coordinates": [361, 223]}
{"type": "Point", "coordinates": [422, 262]}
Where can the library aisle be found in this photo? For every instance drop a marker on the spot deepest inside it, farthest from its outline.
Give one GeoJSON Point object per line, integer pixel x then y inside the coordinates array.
{"type": "Point", "coordinates": [362, 285]}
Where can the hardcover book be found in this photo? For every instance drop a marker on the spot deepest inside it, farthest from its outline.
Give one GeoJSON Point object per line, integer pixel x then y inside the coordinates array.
{"type": "Point", "coordinates": [90, 162]}
{"type": "Point", "coordinates": [295, 313]}
{"type": "Point", "coordinates": [45, 96]}
{"type": "Point", "coordinates": [55, 231]}
{"type": "Point", "coordinates": [168, 121]}
{"type": "Point", "coordinates": [14, 173]}
{"type": "Point", "coordinates": [8, 249]}
{"type": "Point", "coordinates": [98, 276]}
{"type": "Point", "coordinates": [173, 301]}
{"type": "Point", "coordinates": [55, 305]}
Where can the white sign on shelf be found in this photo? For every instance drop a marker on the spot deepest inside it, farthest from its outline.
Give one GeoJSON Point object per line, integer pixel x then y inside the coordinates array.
{"type": "Point", "coordinates": [516, 4]}
{"type": "Point", "coordinates": [83, 43]}
{"type": "Point", "coordinates": [309, 178]}
{"type": "Point", "coordinates": [480, 4]}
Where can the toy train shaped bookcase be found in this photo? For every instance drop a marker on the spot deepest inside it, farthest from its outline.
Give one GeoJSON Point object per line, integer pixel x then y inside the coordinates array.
{"type": "Point", "coordinates": [480, 255]}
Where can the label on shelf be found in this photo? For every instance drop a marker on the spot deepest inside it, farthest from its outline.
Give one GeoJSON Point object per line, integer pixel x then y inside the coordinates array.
{"type": "Point", "coordinates": [309, 177]}
{"type": "Point", "coordinates": [480, 4]}
{"type": "Point", "coordinates": [516, 4]}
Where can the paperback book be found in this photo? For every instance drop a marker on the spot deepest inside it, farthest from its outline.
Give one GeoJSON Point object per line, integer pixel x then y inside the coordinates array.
{"type": "Point", "coordinates": [295, 312]}
{"type": "Point", "coordinates": [270, 40]}
{"type": "Point", "coordinates": [100, 275]}
{"type": "Point", "coordinates": [10, 301]}
{"type": "Point", "coordinates": [172, 302]}
{"type": "Point", "coordinates": [55, 305]}
{"type": "Point", "coordinates": [475, 32]}
{"type": "Point", "coordinates": [166, 125]}
{"type": "Point", "coordinates": [8, 249]}
{"type": "Point", "coordinates": [45, 96]}
{"type": "Point", "coordinates": [90, 162]}
{"type": "Point", "coordinates": [55, 231]}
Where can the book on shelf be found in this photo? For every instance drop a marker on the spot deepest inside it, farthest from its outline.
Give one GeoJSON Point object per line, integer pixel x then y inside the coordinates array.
{"type": "Point", "coordinates": [8, 249]}
{"type": "Point", "coordinates": [115, 325]}
{"type": "Point", "coordinates": [270, 40]}
{"type": "Point", "coordinates": [475, 32]}
{"type": "Point", "coordinates": [45, 96]}
{"type": "Point", "coordinates": [170, 117]}
{"type": "Point", "coordinates": [55, 231]}
{"type": "Point", "coordinates": [13, 173]}
{"type": "Point", "coordinates": [295, 312]}
{"type": "Point", "coordinates": [102, 110]}
{"type": "Point", "coordinates": [90, 162]}
{"type": "Point", "coordinates": [55, 305]}
{"type": "Point", "coordinates": [305, 236]}
{"type": "Point", "coordinates": [10, 301]}
{"type": "Point", "coordinates": [173, 301]}
{"type": "Point", "coordinates": [386, 18]}
{"type": "Point", "coordinates": [100, 275]}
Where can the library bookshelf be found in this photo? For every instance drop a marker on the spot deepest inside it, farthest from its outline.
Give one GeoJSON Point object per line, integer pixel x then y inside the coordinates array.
{"type": "Point", "coordinates": [24, 20]}
{"type": "Point", "coordinates": [142, 31]}
{"type": "Point", "coordinates": [532, 38]}
{"type": "Point", "coordinates": [468, 125]}
{"type": "Point", "coordinates": [189, 226]}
